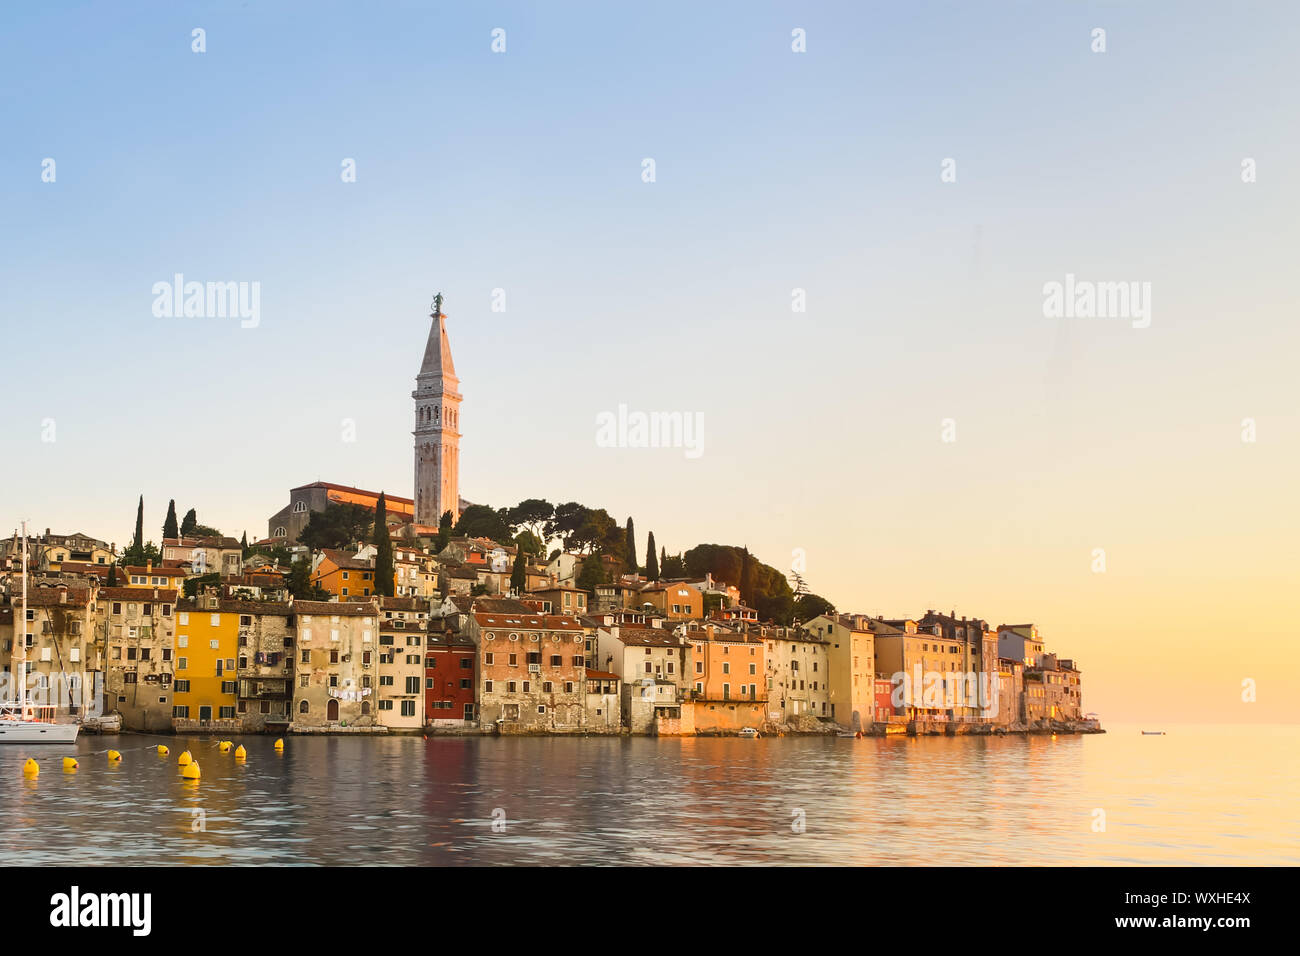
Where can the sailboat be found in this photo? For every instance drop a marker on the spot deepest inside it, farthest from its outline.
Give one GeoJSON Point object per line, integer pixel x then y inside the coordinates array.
{"type": "Point", "coordinates": [19, 723]}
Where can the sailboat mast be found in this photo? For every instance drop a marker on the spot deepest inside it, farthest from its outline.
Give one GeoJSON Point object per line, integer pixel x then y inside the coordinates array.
{"type": "Point", "coordinates": [19, 655]}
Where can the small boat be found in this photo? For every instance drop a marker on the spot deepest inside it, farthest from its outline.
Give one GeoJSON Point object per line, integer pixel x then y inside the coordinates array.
{"type": "Point", "coordinates": [748, 732]}
{"type": "Point", "coordinates": [1153, 733]}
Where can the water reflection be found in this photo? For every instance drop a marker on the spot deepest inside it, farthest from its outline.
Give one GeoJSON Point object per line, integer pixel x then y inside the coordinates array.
{"type": "Point", "coordinates": [1198, 796]}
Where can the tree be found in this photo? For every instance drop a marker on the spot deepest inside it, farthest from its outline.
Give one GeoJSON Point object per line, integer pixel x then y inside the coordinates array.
{"type": "Point", "coordinates": [809, 606]}
{"type": "Point", "coordinates": [528, 542]}
{"type": "Point", "coordinates": [170, 528]}
{"type": "Point", "coordinates": [137, 542]}
{"type": "Point", "coordinates": [338, 526]}
{"type": "Point", "coordinates": [565, 522]}
{"type": "Point", "coordinates": [243, 543]}
{"type": "Point", "coordinates": [383, 549]}
{"type": "Point", "coordinates": [663, 560]}
{"type": "Point", "coordinates": [630, 534]}
{"type": "Point", "coordinates": [592, 573]}
{"type": "Point", "coordinates": [518, 574]}
{"type": "Point", "coordinates": [673, 567]}
{"type": "Point", "coordinates": [189, 523]}
{"type": "Point", "coordinates": [598, 531]}
{"type": "Point", "coordinates": [444, 531]}
{"type": "Point", "coordinates": [481, 521]}
{"type": "Point", "coordinates": [651, 559]}
{"type": "Point", "coordinates": [531, 514]}
{"type": "Point", "coordinates": [112, 576]}
{"type": "Point", "coordinates": [300, 584]}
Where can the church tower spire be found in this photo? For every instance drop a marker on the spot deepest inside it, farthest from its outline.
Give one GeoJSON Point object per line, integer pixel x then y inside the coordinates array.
{"type": "Point", "coordinates": [437, 426]}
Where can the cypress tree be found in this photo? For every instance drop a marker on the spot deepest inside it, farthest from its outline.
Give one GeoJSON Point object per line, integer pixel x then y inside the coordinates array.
{"type": "Point", "coordinates": [631, 547]}
{"type": "Point", "coordinates": [189, 523]}
{"type": "Point", "coordinates": [444, 531]}
{"type": "Point", "coordinates": [112, 576]}
{"type": "Point", "coordinates": [170, 528]}
{"type": "Point", "coordinates": [663, 562]}
{"type": "Point", "coordinates": [383, 550]}
{"type": "Point", "coordinates": [651, 559]}
{"type": "Point", "coordinates": [137, 543]}
{"type": "Point", "coordinates": [243, 543]}
{"type": "Point", "coordinates": [517, 574]}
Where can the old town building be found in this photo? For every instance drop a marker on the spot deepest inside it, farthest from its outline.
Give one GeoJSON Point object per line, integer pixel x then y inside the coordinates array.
{"type": "Point", "coordinates": [332, 685]}
{"type": "Point", "coordinates": [531, 672]}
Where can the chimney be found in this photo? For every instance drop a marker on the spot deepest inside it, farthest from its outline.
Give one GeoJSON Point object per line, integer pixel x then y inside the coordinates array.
{"type": "Point", "coordinates": [148, 566]}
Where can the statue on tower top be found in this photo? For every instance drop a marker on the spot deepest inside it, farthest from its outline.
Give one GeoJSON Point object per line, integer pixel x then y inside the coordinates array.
{"type": "Point", "coordinates": [437, 305]}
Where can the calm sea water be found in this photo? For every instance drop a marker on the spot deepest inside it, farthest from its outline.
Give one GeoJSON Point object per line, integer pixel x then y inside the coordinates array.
{"type": "Point", "coordinates": [1201, 795]}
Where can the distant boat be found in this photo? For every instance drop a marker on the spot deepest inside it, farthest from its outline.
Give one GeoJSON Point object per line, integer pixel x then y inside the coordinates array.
{"type": "Point", "coordinates": [748, 732]}
{"type": "Point", "coordinates": [1153, 733]}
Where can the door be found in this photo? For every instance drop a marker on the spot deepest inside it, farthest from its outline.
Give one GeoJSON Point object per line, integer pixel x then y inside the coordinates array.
{"type": "Point", "coordinates": [205, 713]}
{"type": "Point", "coordinates": [332, 709]}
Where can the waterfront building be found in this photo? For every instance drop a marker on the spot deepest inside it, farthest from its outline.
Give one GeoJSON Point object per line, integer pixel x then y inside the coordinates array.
{"type": "Point", "coordinates": [603, 702]}
{"type": "Point", "coordinates": [403, 626]}
{"type": "Point", "coordinates": [531, 672]}
{"type": "Point", "coordinates": [333, 685]}
{"type": "Point", "coordinates": [1020, 641]}
{"type": "Point", "coordinates": [205, 690]}
{"type": "Point", "coordinates": [450, 680]}
{"type": "Point", "coordinates": [63, 659]}
{"type": "Point", "coordinates": [798, 674]}
{"type": "Point", "coordinates": [851, 652]}
{"type": "Point", "coordinates": [136, 627]}
{"type": "Point", "coordinates": [264, 668]}
{"type": "Point", "coordinates": [652, 664]}
{"type": "Point", "coordinates": [936, 688]}
{"type": "Point", "coordinates": [728, 679]}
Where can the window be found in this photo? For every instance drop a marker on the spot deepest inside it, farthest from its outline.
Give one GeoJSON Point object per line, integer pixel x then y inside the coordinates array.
{"type": "Point", "coordinates": [227, 687]}
{"type": "Point", "coordinates": [412, 685]}
{"type": "Point", "coordinates": [182, 686]}
{"type": "Point", "coordinates": [182, 663]}
{"type": "Point", "coordinates": [487, 659]}
{"type": "Point", "coordinates": [302, 705]}
{"type": "Point", "coordinates": [227, 713]}
{"type": "Point", "coordinates": [487, 687]}
{"type": "Point", "coordinates": [181, 711]}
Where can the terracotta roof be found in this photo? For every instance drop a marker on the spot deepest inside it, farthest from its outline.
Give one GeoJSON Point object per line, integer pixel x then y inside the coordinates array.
{"type": "Point", "coordinates": [346, 561]}
{"type": "Point", "coordinates": [51, 597]}
{"type": "Point", "coordinates": [502, 606]}
{"type": "Point", "coordinates": [647, 637]}
{"type": "Point", "coordinates": [533, 622]}
{"type": "Point", "coordinates": [352, 609]}
{"type": "Point", "coordinates": [354, 491]}
{"type": "Point", "coordinates": [143, 595]}
{"type": "Point", "coordinates": [403, 604]}
{"type": "Point", "coordinates": [156, 569]}
{"type": "Point", "coordinates": [601, 675]}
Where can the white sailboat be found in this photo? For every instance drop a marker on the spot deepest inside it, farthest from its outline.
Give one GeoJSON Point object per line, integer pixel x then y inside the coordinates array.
{"type": "Point", "coordinates": [19, 724]}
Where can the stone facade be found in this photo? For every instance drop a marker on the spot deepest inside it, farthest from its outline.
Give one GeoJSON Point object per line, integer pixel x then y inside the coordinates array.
{"type": "Point", "coordinates": [437, 429]}
{"type": "Point", "coordinates": [332, 686]}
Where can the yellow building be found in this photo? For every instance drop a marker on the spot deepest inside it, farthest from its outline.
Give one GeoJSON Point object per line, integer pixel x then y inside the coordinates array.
{"type": "Point", "coordinates": [207, 646]}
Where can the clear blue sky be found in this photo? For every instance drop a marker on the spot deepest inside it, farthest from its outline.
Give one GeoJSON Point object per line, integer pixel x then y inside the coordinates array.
{"type": "Point", "coordinates": [775, 170]}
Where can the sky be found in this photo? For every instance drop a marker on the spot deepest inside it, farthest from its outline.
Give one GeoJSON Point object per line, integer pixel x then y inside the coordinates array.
{"type": "Point", "coordinates": [921, 432]}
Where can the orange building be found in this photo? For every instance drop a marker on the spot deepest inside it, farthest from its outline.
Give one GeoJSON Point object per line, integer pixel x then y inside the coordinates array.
{"type": "Point", "coordinates": [677, 599]}
{"type": "Point", "coordinates": [728, 679]}
{"type": "Point", "coordinates": [343, 575]}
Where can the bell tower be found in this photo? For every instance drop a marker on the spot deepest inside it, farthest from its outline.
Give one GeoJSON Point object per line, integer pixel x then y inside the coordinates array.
{"type": "Point", "coordinates": [437, 427]}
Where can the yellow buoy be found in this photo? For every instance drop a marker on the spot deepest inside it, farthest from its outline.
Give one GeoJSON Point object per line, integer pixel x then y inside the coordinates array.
{"type": "Point", "coordinates": [162, 751]}
{"type": "Point", "coordinates": [31, 768]}
{"type": "Point", "coordinates": [190, 771]}
{"type": "Point", "coordinates": [114, 756]}
{"type": "Point", "coordinates": [240, 752]}
{"type": "Point", "coordinates": [184, 759]}
{"type": "Point", "coordinates": [224, 746]}
{"type": "Point", "coordinates": [279, 746]}
{"type": "Point", "coordinates": [69, 763]}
